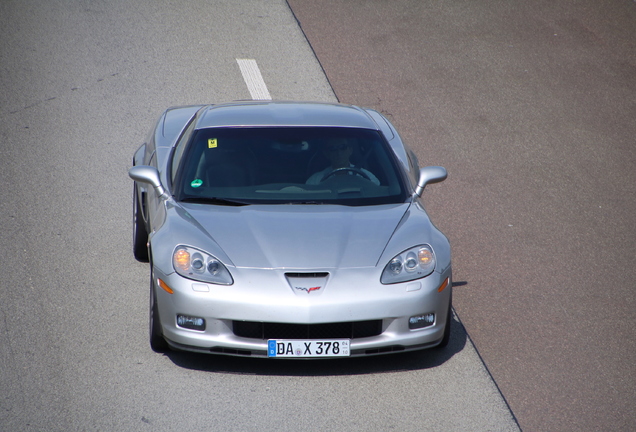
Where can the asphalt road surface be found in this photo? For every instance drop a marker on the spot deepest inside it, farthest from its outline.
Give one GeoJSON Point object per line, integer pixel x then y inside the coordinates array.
{"type": "Point", "coordinates": [531, 106]}
{"type": "Point", "coordinates": [81, 83]}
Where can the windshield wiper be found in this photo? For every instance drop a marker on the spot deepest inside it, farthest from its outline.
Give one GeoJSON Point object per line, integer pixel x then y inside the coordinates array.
{"type": "Point", "coordinates": [214, 200]}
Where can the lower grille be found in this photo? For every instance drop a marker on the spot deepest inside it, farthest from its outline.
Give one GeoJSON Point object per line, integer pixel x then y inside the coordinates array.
{"type": "Point", "coordinates": [231, 351]}
{"type": "Point", "coordinates": [343, 330]}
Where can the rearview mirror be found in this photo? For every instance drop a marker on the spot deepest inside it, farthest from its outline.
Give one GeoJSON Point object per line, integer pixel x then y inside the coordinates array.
{"type": "Point", "coordinates": [429, 175]}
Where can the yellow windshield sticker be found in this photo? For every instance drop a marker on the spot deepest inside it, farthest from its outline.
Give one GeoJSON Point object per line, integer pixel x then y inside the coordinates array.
{"type": "Point", "coordinates": [212, 143]}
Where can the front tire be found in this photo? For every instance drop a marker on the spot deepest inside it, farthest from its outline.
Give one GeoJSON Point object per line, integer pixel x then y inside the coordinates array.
{"type": "Point", "coordinates": [140, 233]}
{"type": "Point", "coordinates": [447, 327]}
{"type": "Point", "coordinates": [157, 341]}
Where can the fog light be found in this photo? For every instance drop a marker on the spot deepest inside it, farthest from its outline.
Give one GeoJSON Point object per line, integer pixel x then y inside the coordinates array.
{"type": "Point", "coordinates": [421, 321]}
{"type": "Point", "coordinates": [189, 322]}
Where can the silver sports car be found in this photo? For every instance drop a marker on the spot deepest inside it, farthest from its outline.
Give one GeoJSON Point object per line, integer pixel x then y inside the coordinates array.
{"type": "Point", "coordinates": [288, 230]}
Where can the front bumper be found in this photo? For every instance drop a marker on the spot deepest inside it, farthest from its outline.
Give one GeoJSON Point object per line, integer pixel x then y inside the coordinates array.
{"type": "Point", "coordinates": [265, 296]}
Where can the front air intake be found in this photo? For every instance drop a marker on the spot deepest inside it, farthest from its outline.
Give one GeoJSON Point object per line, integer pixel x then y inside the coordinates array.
{"type": "Point", "coordinates": [342, 330]}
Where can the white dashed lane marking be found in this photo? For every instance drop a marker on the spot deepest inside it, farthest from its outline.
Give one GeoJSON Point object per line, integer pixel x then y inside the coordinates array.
{"type": "Point", "coordinates": [253, 78]}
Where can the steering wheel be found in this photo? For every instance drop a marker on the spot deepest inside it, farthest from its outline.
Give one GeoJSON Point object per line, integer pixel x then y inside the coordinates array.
{"type": "Point", "coordinates": [356, 171]}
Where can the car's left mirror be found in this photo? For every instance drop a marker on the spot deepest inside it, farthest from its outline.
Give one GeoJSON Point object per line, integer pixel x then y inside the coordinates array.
{"type": "Point", "coordinates": [428, 175]}
{"type": "Point", "coordinates": [147, 174]}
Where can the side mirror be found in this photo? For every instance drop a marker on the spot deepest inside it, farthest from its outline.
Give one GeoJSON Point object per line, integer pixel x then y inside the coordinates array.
{"type": "Point", "coordinates": [429, 175]}
{"type": "Point", "coordinates": [147, 174]}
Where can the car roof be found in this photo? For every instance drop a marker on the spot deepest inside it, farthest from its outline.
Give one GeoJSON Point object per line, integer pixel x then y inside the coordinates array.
{"type": "Point", "coordinates": [271, 113]}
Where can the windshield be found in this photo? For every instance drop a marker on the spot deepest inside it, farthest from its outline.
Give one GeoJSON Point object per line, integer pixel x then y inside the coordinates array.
{"type": "Point", "coordinates": [293, 165]}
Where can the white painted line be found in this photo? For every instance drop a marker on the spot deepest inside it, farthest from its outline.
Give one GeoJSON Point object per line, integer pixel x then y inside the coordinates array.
{"type": "Point", "coordinates": [253, 79]}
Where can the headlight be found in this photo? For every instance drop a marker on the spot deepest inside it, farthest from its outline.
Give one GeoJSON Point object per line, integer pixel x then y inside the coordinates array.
{"type": "Point", "coordinates": [198, 265]}
{"type": "Point", "coordinates": [414, 263]}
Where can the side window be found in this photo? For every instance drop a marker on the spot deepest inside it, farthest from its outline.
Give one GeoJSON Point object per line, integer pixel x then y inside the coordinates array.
{"type": "Point", "coordinates": [178, 151]}
{"type": "Point", "coordinates": [413, 166]}
{"type": "Point", "coordinates": [413, 163]}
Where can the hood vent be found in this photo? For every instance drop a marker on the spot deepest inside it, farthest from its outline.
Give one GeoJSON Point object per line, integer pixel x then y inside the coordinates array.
{"type": "Point", "coordinates": [307, 275]}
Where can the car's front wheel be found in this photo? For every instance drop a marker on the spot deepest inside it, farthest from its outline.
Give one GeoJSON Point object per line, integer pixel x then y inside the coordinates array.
{"type": "Point", "coordinates": [140, 233]}
{"type": "Point", "coordinates": [157, 341]}
{"type": "Point", "coordinates": [447, 327]}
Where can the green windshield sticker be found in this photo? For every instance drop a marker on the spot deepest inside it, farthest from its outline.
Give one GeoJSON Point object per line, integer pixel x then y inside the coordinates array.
{"type": "Point", "coordinates": [212, 143]}
{"type": "Point", "coordinates": [196, 183]}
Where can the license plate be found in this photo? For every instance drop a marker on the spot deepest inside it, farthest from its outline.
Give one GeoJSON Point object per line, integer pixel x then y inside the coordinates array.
{"type": "Point", "coordinates": [308, 348]}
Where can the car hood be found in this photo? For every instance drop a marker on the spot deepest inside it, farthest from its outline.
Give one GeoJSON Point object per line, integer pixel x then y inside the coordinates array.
{"type": "Point", "coordinates": [299, 236]}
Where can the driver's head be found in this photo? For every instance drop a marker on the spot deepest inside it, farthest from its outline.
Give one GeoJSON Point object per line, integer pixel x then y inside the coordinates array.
{"type": "Point", "coordinates": [338, 151]}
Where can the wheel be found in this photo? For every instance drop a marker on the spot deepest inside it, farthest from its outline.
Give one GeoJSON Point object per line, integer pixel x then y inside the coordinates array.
{"type": "Point", "coordinates": [447, 327]}
{"type": "Point", "coordinates": [356, 171]}
{"type": "Point", "coordinates": [157, 341]}
{"type": "Point", "coordinates": [140, 234]}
